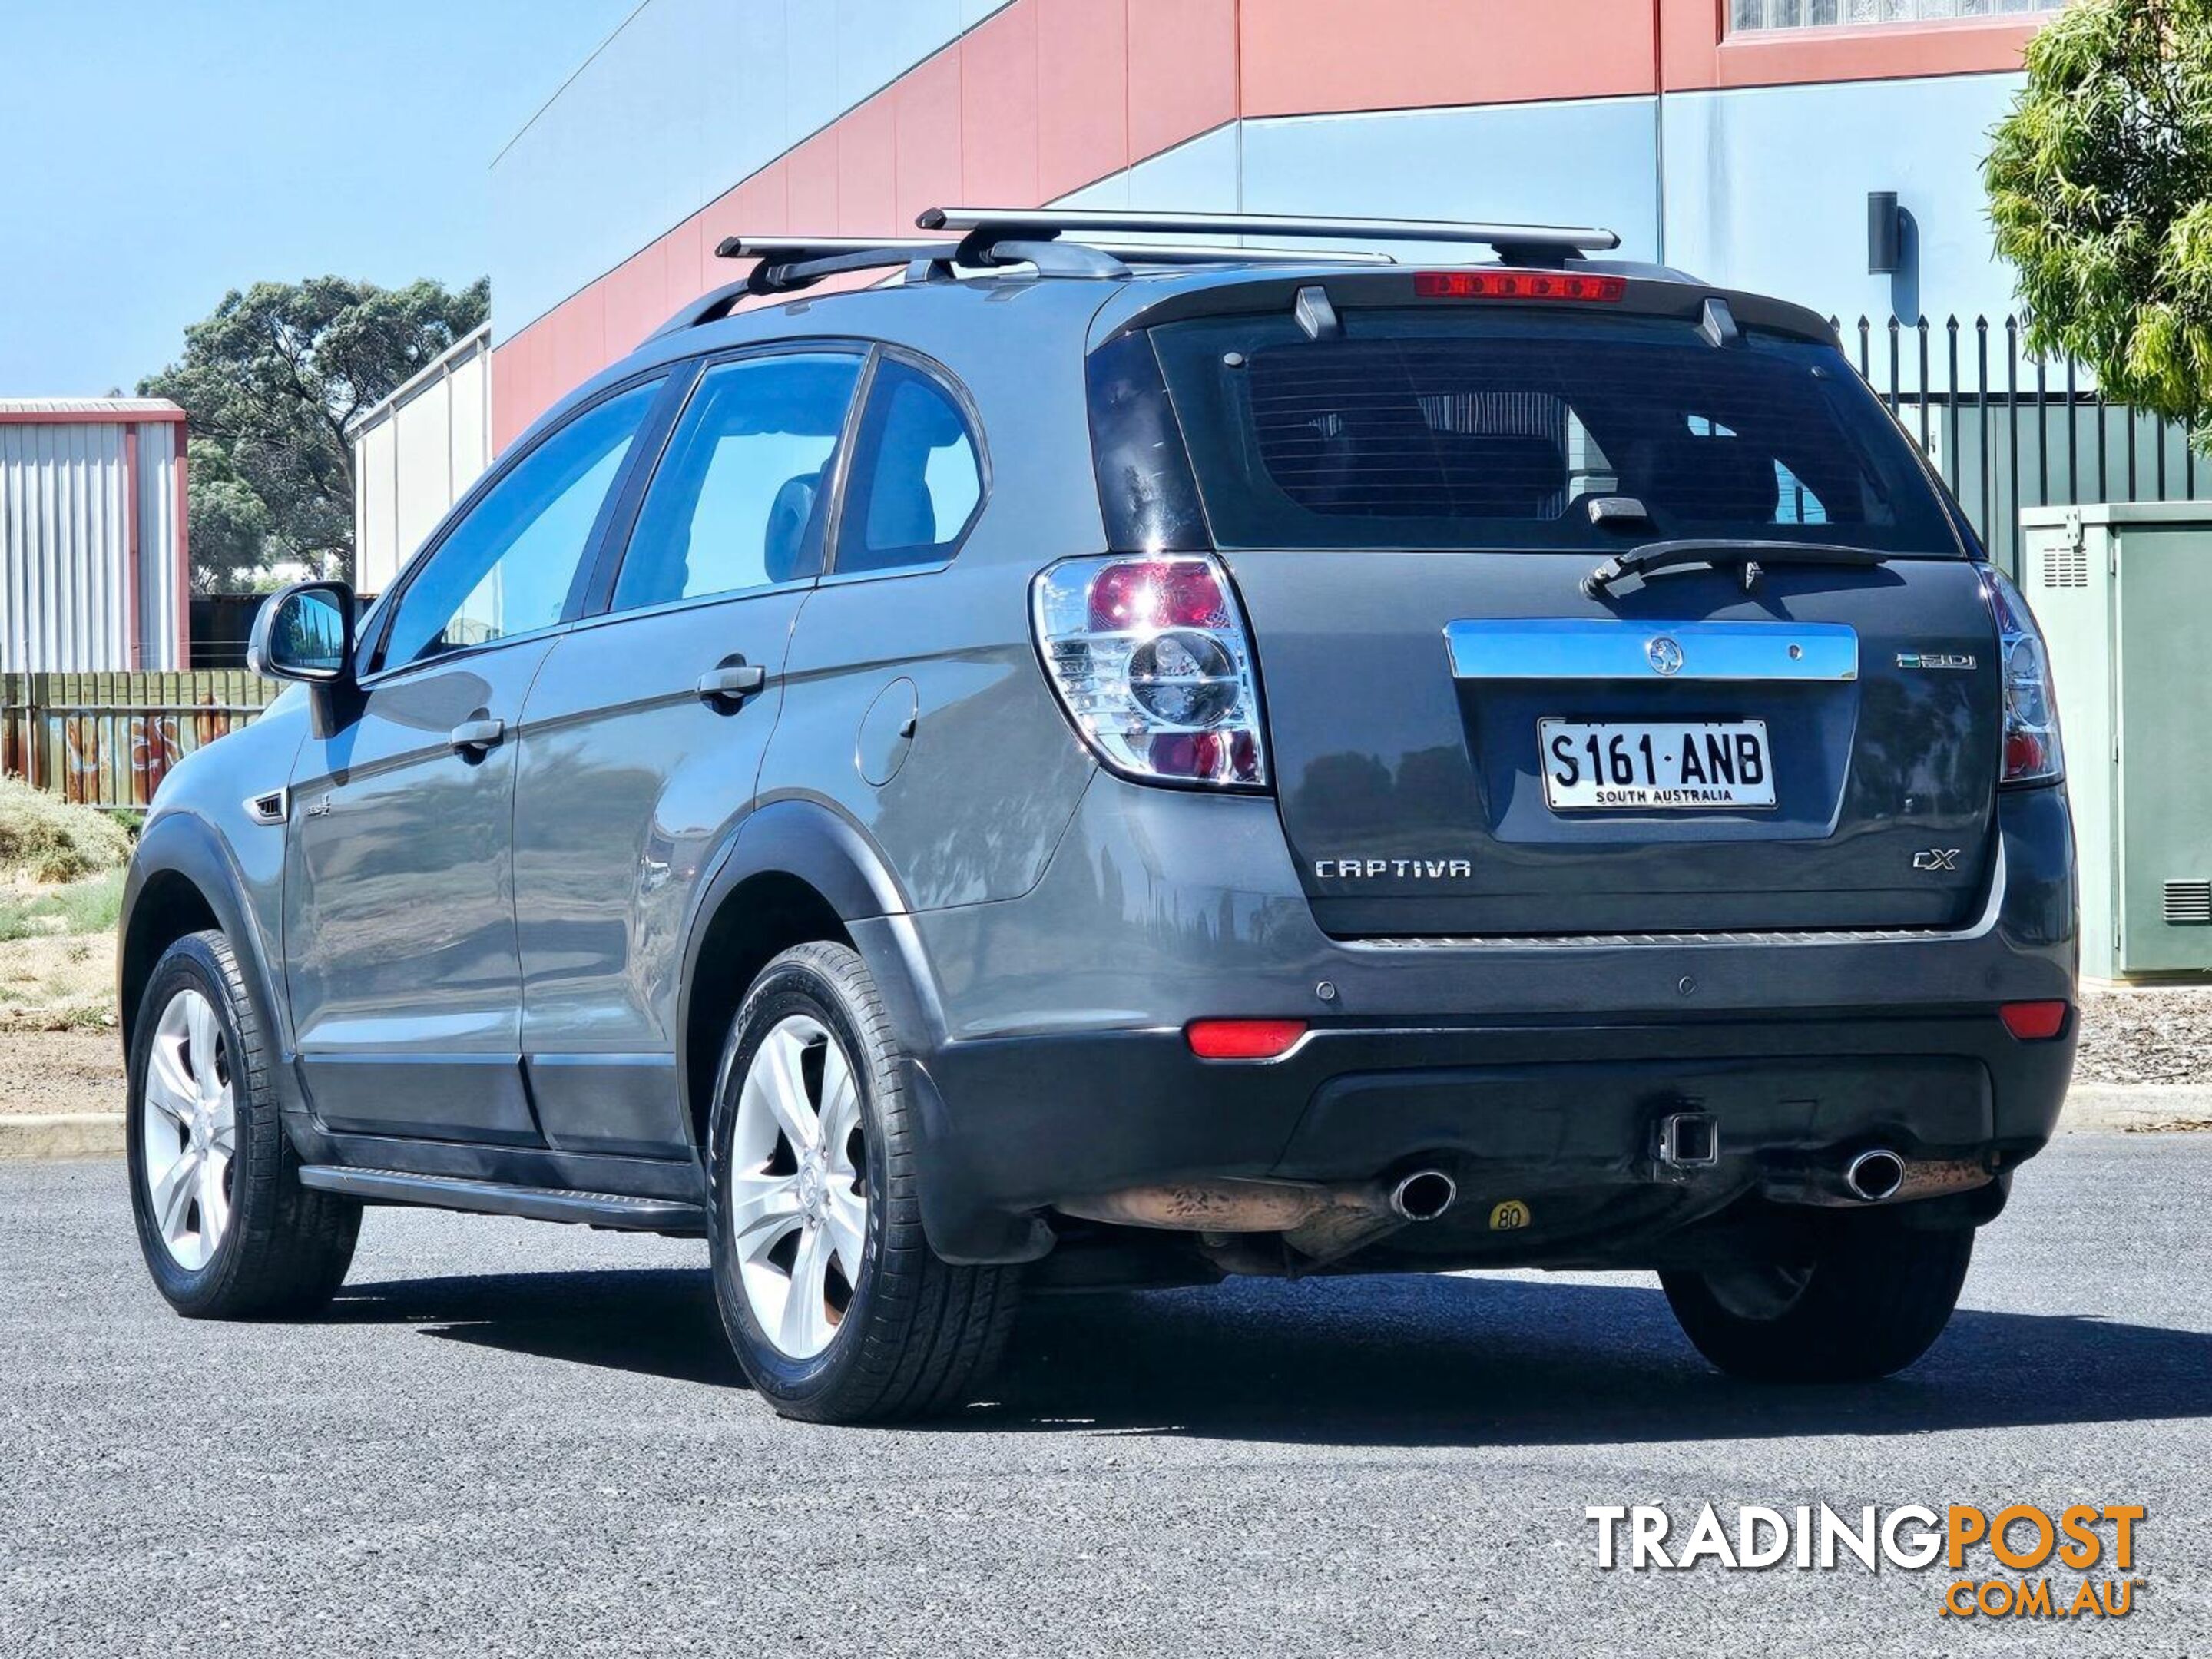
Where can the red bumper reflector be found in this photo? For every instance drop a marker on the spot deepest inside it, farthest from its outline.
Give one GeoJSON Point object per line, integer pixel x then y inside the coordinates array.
{"type": "Point", "coordinates": [2033, 1022]}
{"type": "Point", "coordinates": [1243, 1039]}
{"type": "Point", "coordinates": [1516, 285]}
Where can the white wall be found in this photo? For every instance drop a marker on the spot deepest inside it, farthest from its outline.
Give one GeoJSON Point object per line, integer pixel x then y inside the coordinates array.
{"type": "Point", "coordinates": [687, 99]}
{"type": "Point", "coordinates": [1767, 189]}
{"type": "Point", "coordinates": [415, 455]}
{"type": "Point", "coordinates": [1764, 189]}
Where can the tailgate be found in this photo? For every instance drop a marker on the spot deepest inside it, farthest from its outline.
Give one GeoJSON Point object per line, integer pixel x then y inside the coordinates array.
{"type": "Point", "coordinates": [1412, 786]}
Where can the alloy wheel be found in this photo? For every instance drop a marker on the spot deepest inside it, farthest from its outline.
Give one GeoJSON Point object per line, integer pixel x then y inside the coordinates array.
{"type": "Point", "coordinates": [798, 1212]}
{"type": "Point", "coordinates": [189, 1130]}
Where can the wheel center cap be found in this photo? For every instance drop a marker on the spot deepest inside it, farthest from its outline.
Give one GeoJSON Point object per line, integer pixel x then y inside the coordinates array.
{"type": "Point", "coordinates": [812, 1187]}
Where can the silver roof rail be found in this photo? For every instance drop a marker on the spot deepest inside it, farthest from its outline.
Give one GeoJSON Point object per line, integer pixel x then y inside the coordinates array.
{"type": "Point", "coordinates": [1081, 242]}
{"type": "Point", "coordinates": [788, 264]}
{"type": "Point", "coordinates": [1509, 240]}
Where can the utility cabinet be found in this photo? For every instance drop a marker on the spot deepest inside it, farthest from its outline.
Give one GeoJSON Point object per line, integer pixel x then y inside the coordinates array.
{"type": "Point", "coordinates": [2123, 593]}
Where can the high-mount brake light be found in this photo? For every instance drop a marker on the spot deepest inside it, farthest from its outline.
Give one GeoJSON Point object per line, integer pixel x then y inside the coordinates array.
{"type": "Point", "coordinates": [1151, 660]}
{"type": "Point", "coordinates": [1517, 285]}
{"type": "Point", "coordinates": [2033, 751]}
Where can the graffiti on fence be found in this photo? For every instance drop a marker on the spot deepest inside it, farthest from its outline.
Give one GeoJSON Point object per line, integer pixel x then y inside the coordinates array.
{"type": "Point", "coordinates": [109, 740]}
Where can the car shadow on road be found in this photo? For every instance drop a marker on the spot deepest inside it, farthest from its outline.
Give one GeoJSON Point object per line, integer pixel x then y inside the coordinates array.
{"type": "Point", "coordinates": [1406, 1361]}
{"type": "Point", "coordinates": [658, 1321]}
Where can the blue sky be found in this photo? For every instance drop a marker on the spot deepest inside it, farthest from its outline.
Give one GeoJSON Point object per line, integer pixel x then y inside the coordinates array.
{"type": "Point", "coordinates": [154, 153]}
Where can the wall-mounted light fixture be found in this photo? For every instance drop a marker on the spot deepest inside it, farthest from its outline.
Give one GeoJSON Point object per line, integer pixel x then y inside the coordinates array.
{"type": "Point", "coordinates": [1884, 233]}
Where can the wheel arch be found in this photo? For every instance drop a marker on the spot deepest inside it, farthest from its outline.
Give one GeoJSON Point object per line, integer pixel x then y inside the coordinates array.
{"type": "Point", "coordinates": [796, 873]}
{"type": "Point", "coordinates": [184, 880]}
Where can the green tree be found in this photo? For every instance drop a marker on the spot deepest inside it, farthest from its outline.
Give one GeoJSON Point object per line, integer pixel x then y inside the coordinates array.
{"type": "Point", "coordinates": [2099, 183]}
{"type": "Point", "coordinates": [270, 382]}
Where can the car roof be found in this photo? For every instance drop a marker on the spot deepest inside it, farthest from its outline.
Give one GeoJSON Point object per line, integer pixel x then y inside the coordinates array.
{"type": "Point", "coordinates": [930, 304]}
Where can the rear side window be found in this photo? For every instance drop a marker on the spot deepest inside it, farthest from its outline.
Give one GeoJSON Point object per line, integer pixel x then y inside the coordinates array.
{"type": "Point", "coordinates": [1486, 430]}
{"type": "Point", "coordinates": [740, 498]}
{"type": "Point", "coordinates": [916, 477]}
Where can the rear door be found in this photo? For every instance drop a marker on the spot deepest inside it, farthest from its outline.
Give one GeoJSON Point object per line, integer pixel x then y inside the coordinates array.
{"type": "Point", "coordinates": [645, 735]}
{"type": "Point", "coordinates": [1465, 740]}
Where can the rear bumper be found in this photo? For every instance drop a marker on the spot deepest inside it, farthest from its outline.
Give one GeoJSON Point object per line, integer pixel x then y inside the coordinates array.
{"type": "Point", "coordinates": [1051, 1063]}
{"type": "Point", "coordinates": [1026, 1123]}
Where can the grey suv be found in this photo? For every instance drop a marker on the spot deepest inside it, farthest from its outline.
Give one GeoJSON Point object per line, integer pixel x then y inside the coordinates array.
{"type": "Point", "coordinates": [1113, 765]}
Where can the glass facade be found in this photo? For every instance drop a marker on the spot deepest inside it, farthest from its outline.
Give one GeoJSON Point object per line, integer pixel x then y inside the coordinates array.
{"type": "Point", "coordinates": [1747, 16]}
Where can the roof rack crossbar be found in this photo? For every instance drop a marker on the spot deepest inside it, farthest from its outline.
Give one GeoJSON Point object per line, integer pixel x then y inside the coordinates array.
{"type": "Point", "coordinates": [993, 223]}
{"type": "Point", "coordinates": [1080, 242]}
{"type": "Point", "coordinates": [791, 248]}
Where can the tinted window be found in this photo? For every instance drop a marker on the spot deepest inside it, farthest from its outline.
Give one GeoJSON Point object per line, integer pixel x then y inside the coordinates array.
{"type": "Point", "coordinates": [508, 567]}
{"type": "Point", "coordinates": [1484, 429]}
{"type": "Point", "coordinates": [915, 481]}
{"type": "Point", "coordinates": [738, 500]}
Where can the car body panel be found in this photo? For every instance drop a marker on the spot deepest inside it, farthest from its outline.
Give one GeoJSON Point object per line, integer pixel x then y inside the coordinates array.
{"type": "Point", "coordinates": [989, 775]}
{"type": "Point", "coordinates": [629, 782]}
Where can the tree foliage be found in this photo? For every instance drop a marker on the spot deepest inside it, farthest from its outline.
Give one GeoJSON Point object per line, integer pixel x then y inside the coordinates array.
{"type": "Point", "coordinates": [2099, 185]}
{"type": "Point", "coordinates": [270, 382]}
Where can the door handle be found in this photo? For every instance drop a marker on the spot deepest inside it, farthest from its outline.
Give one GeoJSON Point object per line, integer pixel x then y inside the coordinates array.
{"type": "Point", "coordinates": [476, 737]}
{"type": "Point", "coordinates": [731, 682]}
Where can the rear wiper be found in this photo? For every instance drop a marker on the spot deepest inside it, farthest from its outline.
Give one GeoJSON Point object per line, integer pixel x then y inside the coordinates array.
{"type": "Point", "coordinates": [1751, 554]}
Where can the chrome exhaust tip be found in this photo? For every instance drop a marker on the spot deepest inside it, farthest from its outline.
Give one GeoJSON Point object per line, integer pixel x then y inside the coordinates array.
{"type": "Point", "coordinates": [1873, 1177]}
{"type": "Point", "coordinates": [1422, 1195]}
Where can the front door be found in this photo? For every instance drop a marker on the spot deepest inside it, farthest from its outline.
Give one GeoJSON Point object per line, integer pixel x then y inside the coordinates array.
{"type": "Point", "coordinates": [645, 736]}
{"type": "Point", "coordinates": [400, 914]}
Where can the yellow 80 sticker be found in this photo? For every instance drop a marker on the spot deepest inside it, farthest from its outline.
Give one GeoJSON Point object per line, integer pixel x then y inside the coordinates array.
{"type": "Point", "coordinates": [1506, 1216]}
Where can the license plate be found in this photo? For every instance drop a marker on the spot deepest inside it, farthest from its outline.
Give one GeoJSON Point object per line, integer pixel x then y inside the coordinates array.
{"type": "Point", "coordinates": [1660, 766]}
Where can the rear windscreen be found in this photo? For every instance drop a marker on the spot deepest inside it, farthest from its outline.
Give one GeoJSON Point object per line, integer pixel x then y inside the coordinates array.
{"type": "Point", "coordinates": [1487, 428]}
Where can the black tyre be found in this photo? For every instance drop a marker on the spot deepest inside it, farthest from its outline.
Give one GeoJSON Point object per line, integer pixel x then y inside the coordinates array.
{"type": "Point", "coordinates": [836, 1306]}
{"type": "Point", "coordinates": [1870, 1302]}
{"type": "Point", "coordinates": [228, 1230]}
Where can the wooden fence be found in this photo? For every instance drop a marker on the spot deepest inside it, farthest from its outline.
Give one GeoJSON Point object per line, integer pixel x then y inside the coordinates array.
{"type": "Point", "coordinates": [109, 739]}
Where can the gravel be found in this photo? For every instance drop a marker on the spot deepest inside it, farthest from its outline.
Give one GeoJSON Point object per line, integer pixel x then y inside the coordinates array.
{"type": "Point", "coordinates": [2146, 1034]}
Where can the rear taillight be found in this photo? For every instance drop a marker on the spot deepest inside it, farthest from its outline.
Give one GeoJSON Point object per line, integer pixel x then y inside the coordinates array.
{"type": "Point", "coordinates": [2032, 749]}
{"type": "Point", "coordinates": [1151, 660]}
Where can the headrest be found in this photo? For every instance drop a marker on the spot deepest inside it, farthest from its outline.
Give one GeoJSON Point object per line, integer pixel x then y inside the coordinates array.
{"type": "Point", "coordinates": [784, 551]}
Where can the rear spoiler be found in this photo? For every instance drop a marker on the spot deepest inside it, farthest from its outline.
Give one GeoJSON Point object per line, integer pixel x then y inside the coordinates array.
{"type": "Point", "coordinates": [1642, 290]}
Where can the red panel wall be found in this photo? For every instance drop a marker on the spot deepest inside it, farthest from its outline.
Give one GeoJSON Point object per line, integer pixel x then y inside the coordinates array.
{"type": "Point", "coordinates": [1304, 56]}
{"type": "Point", "coordinates": [1045, 96]}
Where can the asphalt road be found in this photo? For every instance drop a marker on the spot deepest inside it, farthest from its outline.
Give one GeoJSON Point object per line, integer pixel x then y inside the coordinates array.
{"type": "Point", "coordinates": [514, 1438]}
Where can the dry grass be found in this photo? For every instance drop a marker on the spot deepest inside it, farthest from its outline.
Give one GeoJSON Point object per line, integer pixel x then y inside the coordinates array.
{"type": "Point", "coordinates": [58, 982]}
{"type": "Point", "coordinates": [43, 838]}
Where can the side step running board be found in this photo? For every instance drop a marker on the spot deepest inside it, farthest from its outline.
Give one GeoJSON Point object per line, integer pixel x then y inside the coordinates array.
{"type": "Point", "coordinates": [652, 1215]}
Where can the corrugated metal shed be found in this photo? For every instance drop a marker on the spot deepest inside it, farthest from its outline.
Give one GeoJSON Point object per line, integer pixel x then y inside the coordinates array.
{"type": "Point", "coordinates": [94, 570]}
{"type": "Point", "coordinates": [415, 453]}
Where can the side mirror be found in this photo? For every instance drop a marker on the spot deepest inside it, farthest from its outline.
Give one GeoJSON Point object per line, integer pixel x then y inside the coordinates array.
{"type": "Point", "coordinates": [304, 632]}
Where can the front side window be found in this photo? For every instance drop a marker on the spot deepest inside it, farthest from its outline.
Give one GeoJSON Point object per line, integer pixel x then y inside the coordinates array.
{"type": "Point", "coordinates": [508, 567]}
{"type": "Point", "coordinates": [916, 481]}
{"type": "Point", "coordinates": [740, 498]}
